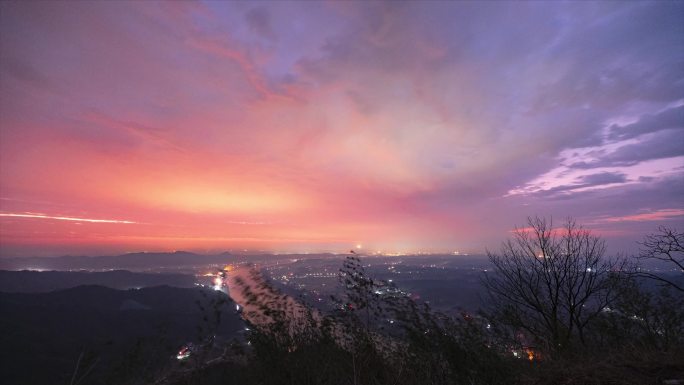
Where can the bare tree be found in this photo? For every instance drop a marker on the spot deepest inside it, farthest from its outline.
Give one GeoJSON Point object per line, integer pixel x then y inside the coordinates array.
{"type": "Point", "coordinates": [551, 283]}
{"type": "Point", "coordinates": [666, 245]}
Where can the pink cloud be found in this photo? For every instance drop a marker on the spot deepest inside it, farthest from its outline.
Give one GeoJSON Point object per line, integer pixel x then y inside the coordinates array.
{"type": "Point", "coordinates": [656, 215]}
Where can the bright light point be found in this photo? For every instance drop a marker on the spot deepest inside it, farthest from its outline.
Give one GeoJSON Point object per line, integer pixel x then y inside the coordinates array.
{"type": "Point", "coordinates": [359, 246]}
{"type": "Point", "coordinates": [184, 353]}
{"type": "Point", "coordinates": [218, 283]}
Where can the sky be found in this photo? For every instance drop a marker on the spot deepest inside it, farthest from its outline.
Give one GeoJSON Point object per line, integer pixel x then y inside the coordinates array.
{"type": "Point", "coordinates": [319, 126]}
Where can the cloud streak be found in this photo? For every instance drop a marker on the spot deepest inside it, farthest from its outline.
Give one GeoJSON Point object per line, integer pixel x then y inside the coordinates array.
{"type": "Point", "coordinates": [656, 215]}
{"type": "Point", "coordinates": [61, 218]}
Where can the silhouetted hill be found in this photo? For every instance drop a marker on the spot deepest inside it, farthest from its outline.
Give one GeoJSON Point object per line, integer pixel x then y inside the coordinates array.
{"type": "Point", "coordinates": [139, 261]}
{"type": "Point", "coordinates": [43, 281]}
{"type": "Point", "coordinates": [125, 331]}
{"type": "Point", "coordinates": [125, 261]}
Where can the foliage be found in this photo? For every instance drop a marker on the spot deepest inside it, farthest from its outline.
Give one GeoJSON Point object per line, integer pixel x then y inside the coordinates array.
{"type": "Point", "coordinates": [646, 320]}
{"type": "Point", "coordinates": [376, 335]}
{"type": "Point", "coordinates": [667, 245]}
{"type": "Point", "coordinates": [554, 294]}
{"type": "Point", "coordinates": [551, 284]}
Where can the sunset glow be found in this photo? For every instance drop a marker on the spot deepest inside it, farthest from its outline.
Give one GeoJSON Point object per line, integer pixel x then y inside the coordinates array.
{"type": "Point", "coordinates": [324, 126]}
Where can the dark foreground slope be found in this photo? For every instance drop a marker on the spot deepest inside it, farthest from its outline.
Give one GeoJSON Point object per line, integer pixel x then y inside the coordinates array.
{"type": "Point", "coordinates": [125, 334]}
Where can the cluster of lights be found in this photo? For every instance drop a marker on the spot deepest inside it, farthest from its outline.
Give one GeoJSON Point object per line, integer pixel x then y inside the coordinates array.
{"type": "Point", "coordinates": [218, 283]}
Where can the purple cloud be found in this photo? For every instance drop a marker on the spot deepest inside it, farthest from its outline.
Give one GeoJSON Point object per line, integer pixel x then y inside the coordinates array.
{"type": "Point", "coordinates": [671, 118]}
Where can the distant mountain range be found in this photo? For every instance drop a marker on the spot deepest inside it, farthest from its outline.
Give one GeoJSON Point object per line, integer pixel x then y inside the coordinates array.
{"type": "Point", "coordinates": [125, 261]}
{"type": "Point", "coordinates": [146, 261]}
{"type": "Point", "coordinates": [142, 261]}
